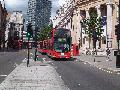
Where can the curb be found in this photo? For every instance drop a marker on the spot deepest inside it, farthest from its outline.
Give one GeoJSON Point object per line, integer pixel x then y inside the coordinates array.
{"type": "Point", "coordinates": [109, 70]}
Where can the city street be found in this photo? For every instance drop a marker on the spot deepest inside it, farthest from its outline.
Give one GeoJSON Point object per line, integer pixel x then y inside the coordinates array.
{"type": "Point", "coordinates": [80, 40]}
{"type": "Point", "coordinates": [76, 74]}
{"type": "Point", "coordinates": [9, 60]}
{"type": "Point", "coordinates": [80, 76]}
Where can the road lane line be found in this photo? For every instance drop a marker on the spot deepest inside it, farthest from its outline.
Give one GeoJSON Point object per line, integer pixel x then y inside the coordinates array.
{"type": "Point", "coordinates": [3, 75]}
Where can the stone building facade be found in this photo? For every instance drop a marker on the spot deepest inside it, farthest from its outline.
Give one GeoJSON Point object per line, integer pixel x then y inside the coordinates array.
{"type": "Point", "coordinates": [108, 10]}
{"type": "Point", "coordinates": [14, 27]}
{"type": "Point", "coordinates": [80, 9]}
{"type": "Point", "coordinates": [3, 15]}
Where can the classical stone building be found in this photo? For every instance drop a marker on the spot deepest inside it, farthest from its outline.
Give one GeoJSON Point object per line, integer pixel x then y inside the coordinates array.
{"type": "Point", "coordinates": [77, 10]}
{"type": "Point", "coordinates": [107, 9]}
{"type": "Point", "coordinates": [14, 27]}
{"type": "Point", "coordinates": [3, 15]}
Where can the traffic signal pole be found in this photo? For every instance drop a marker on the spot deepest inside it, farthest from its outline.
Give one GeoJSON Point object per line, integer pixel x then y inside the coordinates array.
{"type": "Point", "coordinates": [29, 35]}
{"type": "Point", "coordinates": [119, 26]}
{"type": "Point", "coordinates": [36, 29]}
{"type": "Point", "coordinates": [28, 52]}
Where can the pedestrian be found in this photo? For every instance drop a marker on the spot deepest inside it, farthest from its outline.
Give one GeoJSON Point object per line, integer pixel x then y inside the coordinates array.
{"type": "Point", "coordinates": [108, 54]}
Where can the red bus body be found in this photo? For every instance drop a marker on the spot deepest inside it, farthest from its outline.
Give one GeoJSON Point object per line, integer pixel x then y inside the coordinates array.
{"type": "Point", "coordinates": [75, 50]}
{"type": "Point", "coordinates": [42, 47]}
{"type": "Point", "coordinates": [55, 47]}
{"type": "Point", "coordinates": [17, 44]}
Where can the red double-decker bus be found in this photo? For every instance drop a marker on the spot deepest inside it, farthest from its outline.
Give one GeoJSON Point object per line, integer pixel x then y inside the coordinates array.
{"type": "Point", "coordinates": [58, 45]}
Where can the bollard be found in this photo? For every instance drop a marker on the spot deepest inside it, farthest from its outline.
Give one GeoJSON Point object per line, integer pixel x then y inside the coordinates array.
{"type": "Point", "coordinates": [117, 61]}
{"type": "Point", "coordinates": [94, 59]}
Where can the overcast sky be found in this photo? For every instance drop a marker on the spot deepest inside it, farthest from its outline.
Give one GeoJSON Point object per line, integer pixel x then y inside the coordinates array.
{"type": "Point", "coordinates": [12, 5]}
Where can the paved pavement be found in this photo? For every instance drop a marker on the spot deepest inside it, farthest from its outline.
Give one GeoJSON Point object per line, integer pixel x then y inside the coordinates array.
{"type": "Point", "coordinates": [39, 76]}
{"type": "Point", "coordinates": [100, 61]}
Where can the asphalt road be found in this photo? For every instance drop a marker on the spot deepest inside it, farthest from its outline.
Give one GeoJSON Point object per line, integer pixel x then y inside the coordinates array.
{"type": "Point", "coordinates": [9, 61]}
{"type": "Point", "coordinates": [80, 76]}
{"type": "Point", "coordinates": [75, 74]}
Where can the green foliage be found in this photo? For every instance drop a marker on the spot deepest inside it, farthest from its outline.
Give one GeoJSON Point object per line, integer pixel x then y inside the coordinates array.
{"type": "Point", "coordinates": [93, 23]}
{"type": "Point", "coordinates": [44, 34]}
{"type": "Point", "coordinates": [93, 26]}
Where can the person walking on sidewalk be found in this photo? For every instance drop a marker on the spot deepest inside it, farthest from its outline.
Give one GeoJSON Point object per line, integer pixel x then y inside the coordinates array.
{"type": "Point", "coordinates": [108, 54]}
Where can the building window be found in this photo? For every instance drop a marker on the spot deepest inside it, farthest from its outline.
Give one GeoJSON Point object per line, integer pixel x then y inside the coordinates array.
{"type": "Point", "coordinates": [84, 40]}
{"type": "Point", "coordinates": [73, 27]}
{"type": "Point", "coordinates": [117, 16]}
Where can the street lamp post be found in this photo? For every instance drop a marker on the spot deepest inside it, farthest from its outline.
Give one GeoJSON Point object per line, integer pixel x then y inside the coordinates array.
{"type": "Point", "coordinates": [81, 34]}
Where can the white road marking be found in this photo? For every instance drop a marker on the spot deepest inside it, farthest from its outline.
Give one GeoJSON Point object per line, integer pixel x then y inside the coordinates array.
{"type": "Point", "coordinates": [3, 75]}
{"type": "Point", "coordinates": [60, 76]}
{"type": "Point", "coordinates": [78, 84]}
{"type": "Point", "coordinates": [31, 53]}
{"type": "Point", "coordinates": [109, 72]}
{"type": "Point", "coordinates": [85, 63]}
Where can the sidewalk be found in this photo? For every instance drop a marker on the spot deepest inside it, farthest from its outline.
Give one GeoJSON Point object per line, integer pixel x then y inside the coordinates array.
{"type": "Point", "coordinates": [39, 76]}
{"type": "Point", "coordinates": [100, 61]}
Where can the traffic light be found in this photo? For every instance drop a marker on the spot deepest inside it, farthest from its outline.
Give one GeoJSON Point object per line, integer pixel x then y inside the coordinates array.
{"type": "Point", "coordinates": [117, 31]}
{"type": "Point", "coordinates": [29, 31]}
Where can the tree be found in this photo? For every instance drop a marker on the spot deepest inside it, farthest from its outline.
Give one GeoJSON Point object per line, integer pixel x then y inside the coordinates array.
{"type": "Point", "coordinates": [93, 27]}
{"type": "Point", "coordinates": [44, 34]}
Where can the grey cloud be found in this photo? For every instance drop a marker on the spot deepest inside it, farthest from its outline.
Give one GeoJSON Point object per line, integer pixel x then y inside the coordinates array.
{"type": "Point", "coordinates": [55, 7]}
{"type": "Point", "coordinates": [22, 5]}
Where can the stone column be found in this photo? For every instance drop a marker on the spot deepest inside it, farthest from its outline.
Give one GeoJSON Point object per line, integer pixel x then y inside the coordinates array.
{"type": "Point", "coordinates": [87, 16]}
{"type": "Point", "coordinates": [98, 10]}
{"type": "Point", "coordinates": [75, 25]}
{"type": "Point", "coordinates": [87, 13]}
{"type": "Point", "coordinates": [78, 26]}
{"type": "Point", "coordinates": [109, 25]}
{"type": "Point", "coordinates": [69, 24]}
